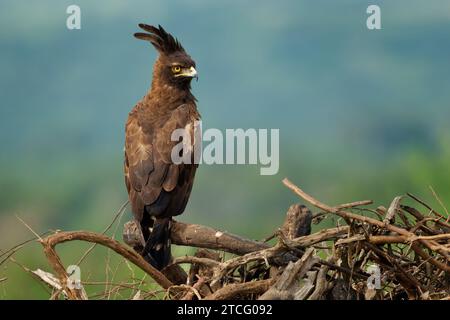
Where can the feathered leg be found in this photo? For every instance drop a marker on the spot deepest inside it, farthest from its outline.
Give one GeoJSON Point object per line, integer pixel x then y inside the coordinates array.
{"type": "Point", "coordinates": [157, 247]}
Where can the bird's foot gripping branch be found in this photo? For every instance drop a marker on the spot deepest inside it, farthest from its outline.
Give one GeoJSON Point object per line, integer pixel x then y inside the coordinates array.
{"type": "Point", "coordinates": [399, 252]}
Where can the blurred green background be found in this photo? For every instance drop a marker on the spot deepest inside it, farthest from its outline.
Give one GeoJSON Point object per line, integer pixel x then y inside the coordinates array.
{"type": "Point", "coordinates": [362, 114]}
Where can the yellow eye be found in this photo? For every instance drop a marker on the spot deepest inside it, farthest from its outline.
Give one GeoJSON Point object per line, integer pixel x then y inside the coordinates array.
{"type": "Point", "coordinates": [176, 69]}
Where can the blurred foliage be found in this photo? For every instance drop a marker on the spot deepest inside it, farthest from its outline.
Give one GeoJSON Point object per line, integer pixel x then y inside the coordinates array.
{"type": "Point", "coordinates": [362, 115]}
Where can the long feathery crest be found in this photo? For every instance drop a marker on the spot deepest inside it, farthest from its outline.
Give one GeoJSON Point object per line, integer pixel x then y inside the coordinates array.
{"type": "Point", "coordinates": [161, 40]}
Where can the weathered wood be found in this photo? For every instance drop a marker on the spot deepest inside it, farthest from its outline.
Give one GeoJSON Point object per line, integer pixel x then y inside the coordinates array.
{"type": "Point", "coordinates": [51, 241]}
{"type": "Point", "coordinates": [286, 286]}
{"type": "Point", "coordinates": [412, 252]}
{"type": "Point", "coordinates": [321, 285]}
{"type": "Point", "coordinates": [241, 289]}
{"type": "Point", "coordinates": [199, 236]}
{"type": "Point", "coordinates": [195, 235]}
{"type": "Point", "coordinates": [297, 222]}
{"type": "Point", "coordinates": [430, 244]}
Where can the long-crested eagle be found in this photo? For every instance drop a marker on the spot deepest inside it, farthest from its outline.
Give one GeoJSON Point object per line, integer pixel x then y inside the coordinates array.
{"type": "Point", "coordinates": [157, 187]}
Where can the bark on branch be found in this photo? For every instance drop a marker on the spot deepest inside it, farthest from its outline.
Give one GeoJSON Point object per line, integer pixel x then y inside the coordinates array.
{"type": "Point", "coordinates": [51, 241]}
{"type": "Point", "coordinates": [291, 269]}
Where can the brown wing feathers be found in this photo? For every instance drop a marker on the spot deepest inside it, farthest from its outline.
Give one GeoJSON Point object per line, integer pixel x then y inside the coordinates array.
{"type": "Point", "coordinates": [171, 179]}
{"type": "Point", "coordinates": [148, 165]}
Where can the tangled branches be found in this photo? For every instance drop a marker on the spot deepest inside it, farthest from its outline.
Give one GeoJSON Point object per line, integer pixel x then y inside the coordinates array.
{"type": "Point", "coordinates": [402, 249]}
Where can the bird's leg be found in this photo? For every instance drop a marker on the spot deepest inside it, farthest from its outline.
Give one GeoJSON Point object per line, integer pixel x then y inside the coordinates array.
{"type": "Point", "coordinates": [157, 246]}
{"type": "Point", "coordinates": [146, 225]}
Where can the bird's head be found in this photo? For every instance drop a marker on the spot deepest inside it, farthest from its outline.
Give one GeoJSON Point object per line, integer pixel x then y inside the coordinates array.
{"type": "Point", "coordinates": [174, 65]}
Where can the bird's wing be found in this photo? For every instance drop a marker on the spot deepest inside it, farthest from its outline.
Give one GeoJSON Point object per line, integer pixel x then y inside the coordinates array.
{"type": "Point", "coordinates": [148, 165]}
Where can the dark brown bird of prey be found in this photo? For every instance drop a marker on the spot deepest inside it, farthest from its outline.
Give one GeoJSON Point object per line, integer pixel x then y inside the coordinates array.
{"type": "Point", "coordinates": [158, 188]}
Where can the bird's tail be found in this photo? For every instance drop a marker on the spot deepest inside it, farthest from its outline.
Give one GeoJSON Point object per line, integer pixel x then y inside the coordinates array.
{"type": "Point", "coordinates": [157, 249]}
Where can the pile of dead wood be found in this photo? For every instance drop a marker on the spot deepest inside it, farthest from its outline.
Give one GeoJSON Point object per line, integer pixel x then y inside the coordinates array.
{"type": "Point", "coordinates": [401, 252]}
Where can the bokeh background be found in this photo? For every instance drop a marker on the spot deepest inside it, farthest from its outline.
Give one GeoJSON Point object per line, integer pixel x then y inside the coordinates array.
{"type": "Point", "coordinates": [362, 114]}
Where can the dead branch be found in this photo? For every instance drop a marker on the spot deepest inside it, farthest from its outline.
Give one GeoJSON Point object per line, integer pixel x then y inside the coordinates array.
{"type": "Point", "coordinates": [241, 289]}
{"type": "Point", "coordinates": [194, 235]}
{"type": "Point", "coordinates": [286, 286]}
{"type": "Point", "coordinates": [51, 241]}
{"type": "Point", "coordinates": [194, 290]}
{"type": "Point", "coordinates": [349, 215]}
{"type": "Point", "coordinates": [321, 284]}
{"type": "Point", "coordinates": [199, 236]}
{"type": "Point", "coordinates": [411, 249]}
{"type": "Point", "coordinates": [195, 260]}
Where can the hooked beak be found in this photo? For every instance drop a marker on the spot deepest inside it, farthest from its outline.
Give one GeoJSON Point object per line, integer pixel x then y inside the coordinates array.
{"type": "Point", "coordinates": [191, 73]}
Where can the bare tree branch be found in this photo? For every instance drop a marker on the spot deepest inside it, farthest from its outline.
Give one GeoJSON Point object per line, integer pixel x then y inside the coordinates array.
{"type": "Point", "coordinates": [51, 241]}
